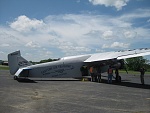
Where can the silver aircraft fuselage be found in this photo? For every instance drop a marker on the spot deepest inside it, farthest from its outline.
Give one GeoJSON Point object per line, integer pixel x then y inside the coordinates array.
{"type": "Point", "coordinates": [64, 68]}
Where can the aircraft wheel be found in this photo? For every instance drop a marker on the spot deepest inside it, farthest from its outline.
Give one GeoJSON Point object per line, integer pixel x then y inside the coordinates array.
{"type": "Point", "coordinates": [15, 77]}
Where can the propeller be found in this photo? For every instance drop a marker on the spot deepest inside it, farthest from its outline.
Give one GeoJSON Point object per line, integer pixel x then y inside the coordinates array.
{"type": "Point", "coordinates": [123, 62]}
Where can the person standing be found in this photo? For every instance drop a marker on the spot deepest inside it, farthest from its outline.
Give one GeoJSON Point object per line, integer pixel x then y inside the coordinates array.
{"type": "Point", "coordinates": [99, 73]}
{"type": "Point", "coordinates": [117, 74]}
{"type": "Point", "coordinates": [92, 73]}
{"type": "Point", "coordinates": [110, 74]}
{"type": "Point", "coordinates": [142, 71]}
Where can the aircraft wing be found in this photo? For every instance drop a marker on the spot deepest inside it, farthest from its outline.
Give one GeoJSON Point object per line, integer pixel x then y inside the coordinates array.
{"type": "Point", "coordinates": [118, 55]}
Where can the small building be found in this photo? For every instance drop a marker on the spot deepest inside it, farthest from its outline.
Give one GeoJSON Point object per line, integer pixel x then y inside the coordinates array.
{"type": "Point", "coordinates": [1, 62]}
{"type": "Point", "coordinates": [5, 63]}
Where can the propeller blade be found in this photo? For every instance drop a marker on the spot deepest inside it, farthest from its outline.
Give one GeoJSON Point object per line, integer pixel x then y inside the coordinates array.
{"type": "Point", "coordinates": [125, 66]}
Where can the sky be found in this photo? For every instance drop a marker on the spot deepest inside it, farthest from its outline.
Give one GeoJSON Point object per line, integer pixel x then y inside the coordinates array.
{"type": "Point", "coordinates": [43, 29]}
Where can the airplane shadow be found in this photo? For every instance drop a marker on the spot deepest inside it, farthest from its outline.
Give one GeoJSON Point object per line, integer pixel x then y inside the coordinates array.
{"type": "Point", "coordinates": [126, 83]}
{"type": "Point", "coordinates": [26, 81]}
{"type": "Point", "coordinates": [58, 80]}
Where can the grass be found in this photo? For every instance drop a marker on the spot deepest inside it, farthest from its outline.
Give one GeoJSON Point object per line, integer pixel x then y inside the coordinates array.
{"type": "Point", "coordinates": [2, 67]}
{"type": "Point", "coordinates": [133, 72]}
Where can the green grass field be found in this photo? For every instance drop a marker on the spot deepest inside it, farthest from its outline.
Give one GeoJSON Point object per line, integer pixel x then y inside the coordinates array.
{"type": "Point", "coordinates": [133, 72]}
{"type": "Point", "coordinates": [2, 67]}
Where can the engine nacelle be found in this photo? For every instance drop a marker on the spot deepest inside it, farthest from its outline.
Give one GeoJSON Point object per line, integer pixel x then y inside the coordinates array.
{"type": "Point", "coordinates": [117, 65]}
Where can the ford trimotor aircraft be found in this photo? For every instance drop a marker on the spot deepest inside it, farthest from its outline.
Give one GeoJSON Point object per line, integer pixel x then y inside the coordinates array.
{"type": "Point", "coordinates": [69, 67]}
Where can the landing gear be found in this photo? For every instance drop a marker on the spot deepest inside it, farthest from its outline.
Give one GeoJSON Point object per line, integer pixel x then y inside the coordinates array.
{"type": "Point", "coordinates": [99, 78]}
{"type": "Point", "coordinates": [119, 78]}
{"type": "Point", "coordinates": [15, 78]}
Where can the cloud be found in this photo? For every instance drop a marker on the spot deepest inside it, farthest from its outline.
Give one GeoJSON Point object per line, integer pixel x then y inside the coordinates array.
{"type": "Point", "coordinates": [105, 46]}
{"type": "Point", "coordinates": [32, 44]}
{"type": "Point", "coordinates": [116, 45]}
{"type": "Point", "coordinates": [56, 36]}
{"type": "Point", "coordinates": [136, 14]}
{"type": "Point", "coordinates": [5, 45]}
{"type": "Point", "coordinates": [118, 4]}
{"type": "Point", "coordinates": [1, 52]}
{"type": "Point", "coordinates": [107, 35]}
{"type": "Point", "coordinates": [68, 47]}
{"type": "Point", "coordinates": [25, 24]}
{"type": "Point", "coordinates": [119, 45]}
{"type": "Point", "coordinates": [130, 34]}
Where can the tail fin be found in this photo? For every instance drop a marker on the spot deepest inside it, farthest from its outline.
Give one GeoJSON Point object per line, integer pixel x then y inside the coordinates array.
{"type": "Point", "coordinates": [15, 61]}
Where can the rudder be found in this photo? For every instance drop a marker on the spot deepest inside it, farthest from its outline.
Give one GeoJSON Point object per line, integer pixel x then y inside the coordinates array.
{"type": "Point", "coordinates": [15, 61]}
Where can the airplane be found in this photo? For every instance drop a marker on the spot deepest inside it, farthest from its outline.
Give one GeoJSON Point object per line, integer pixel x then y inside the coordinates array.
{"type": "Point", "coordinates": [69, 67]}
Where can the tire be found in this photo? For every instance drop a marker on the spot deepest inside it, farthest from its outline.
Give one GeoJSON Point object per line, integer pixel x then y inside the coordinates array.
{"type": "Point", "coordinates": [15, 78]}
{"type": "Point", "coordinates": [119, 78]}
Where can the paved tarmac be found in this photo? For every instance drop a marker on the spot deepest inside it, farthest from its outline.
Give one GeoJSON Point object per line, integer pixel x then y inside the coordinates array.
{"type": "Point", "coordinates": [73, 95]}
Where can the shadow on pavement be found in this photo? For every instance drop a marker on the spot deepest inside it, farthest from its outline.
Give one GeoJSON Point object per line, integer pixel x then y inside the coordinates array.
{"type": "Point", "coordinates": [58, 80]}
{"type": "Point", "coordinates": [26, 81]}
{"type": "Point", "coordinates": [134, 85]}
{"type": "Point", "coordinates": [126, 83]}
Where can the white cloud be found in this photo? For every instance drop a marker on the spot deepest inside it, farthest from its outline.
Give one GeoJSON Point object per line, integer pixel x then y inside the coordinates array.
{"type": "Point", "coordinates": [25, 24]}
{"type": "Point", "coordinates": [119, 45]}
{"type": "Point", "coordinates": [5, 45]}
{"type": "Point", "coordinates": [32, 44]}
{"type": "Point", "coordinates": [1, 52]}
{"type": "Point", "coordinates": [99, 50]}
{"type": "Point", "coordinates": [118, 4]}
{"type": "Point", "coordinates": [116, 45]}
{"type": "Point", "coordinates": [105, 46]}
{"type": "Point", "coordinates": [130, 34]}
{"type": "Point", "coordinates": [57, 36]}
{"type": "Point", "coordinates": [136, 14]}
{"type": "Point", "coordinates": [69, 48]}
{"type": "Point", "coordinates": [107, 34]}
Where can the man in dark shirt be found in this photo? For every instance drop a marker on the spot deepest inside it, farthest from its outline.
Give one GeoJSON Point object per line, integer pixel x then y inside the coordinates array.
{"type": "Point", "coordinates": [142, 70]}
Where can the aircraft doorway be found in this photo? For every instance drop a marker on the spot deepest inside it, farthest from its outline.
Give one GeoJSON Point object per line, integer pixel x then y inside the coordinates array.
{"type": "Point", "coordinates": [84, 70]}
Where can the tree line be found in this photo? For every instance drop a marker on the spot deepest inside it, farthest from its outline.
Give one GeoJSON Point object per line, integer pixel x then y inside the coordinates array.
{"type": "Point", "coordinates": [136, 63]}
{"type": "Point", "coordinates": [44, 61]}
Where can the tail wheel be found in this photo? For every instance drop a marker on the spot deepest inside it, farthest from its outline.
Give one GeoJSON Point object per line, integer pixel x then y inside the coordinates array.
{"type": "Point", "coordinates": [15, 78]}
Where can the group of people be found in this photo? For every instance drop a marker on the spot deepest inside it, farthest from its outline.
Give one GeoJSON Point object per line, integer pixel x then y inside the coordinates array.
{"type": "Point", "coordinates": [95, 73]}
{"type": "Point", "coordinates": [118, 78]}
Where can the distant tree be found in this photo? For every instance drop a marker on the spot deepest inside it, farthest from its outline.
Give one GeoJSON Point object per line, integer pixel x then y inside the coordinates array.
{"type": "Point", "coordinates": [136, 63]}
{"type": "Point", "coordinates": [48, 60]}
{"type": "Point", "coordinates": [44, 61]}
{"type": "Point", "coordinates": [33, 62]}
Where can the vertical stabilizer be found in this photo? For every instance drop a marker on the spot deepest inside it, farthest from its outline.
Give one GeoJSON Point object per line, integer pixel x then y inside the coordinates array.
{"type": "Point", "coordinates": [15, 61]}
